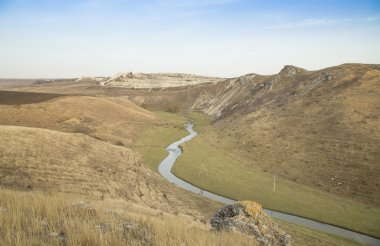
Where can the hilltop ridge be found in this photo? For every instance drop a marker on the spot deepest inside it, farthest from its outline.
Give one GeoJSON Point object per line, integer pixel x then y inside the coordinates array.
{"type": "Point", "coordinates": [157, 80]}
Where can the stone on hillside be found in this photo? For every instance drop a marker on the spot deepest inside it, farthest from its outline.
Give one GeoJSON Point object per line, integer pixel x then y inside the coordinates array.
{"type": "Point", "coordinates": [248, 218]}
{"type": "Point", "coordinates": [289, 70]}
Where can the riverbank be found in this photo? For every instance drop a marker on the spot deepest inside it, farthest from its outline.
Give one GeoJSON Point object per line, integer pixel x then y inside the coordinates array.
{"type": "Point", "coordinates": [210, 166]}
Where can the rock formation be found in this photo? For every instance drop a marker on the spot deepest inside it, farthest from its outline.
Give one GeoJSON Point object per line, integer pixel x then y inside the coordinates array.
{"type": "Point", "coordinates": [248, 218]}
{"type": "Point", "coordinates": [290, 70]}
{"type": "Point", "coordinates": [157, 80]}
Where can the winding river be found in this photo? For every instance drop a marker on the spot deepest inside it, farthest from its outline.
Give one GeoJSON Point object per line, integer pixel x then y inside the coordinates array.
{"type": "Point", "coordinates": [165, 169]}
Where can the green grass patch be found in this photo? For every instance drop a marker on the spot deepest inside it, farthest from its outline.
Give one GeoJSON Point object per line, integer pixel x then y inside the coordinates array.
{"type": "Point", "coordinates": [153, 140]}
{"type": "Point", "coordinates": [201, 121]}
{"type": "Point", "coordinates": [207, 165]}
{"type": "Point", "coordinates": [170, 117]}
{"type": "Point", "coordinates": [301, 235]}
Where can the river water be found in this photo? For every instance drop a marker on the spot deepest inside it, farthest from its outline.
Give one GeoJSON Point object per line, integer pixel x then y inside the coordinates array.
{"type": "Point", "coordinates": [165, 169]}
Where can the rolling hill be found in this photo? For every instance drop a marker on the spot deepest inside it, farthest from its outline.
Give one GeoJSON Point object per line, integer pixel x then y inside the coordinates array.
{"type": "Point", "coordinates": [320, 128]}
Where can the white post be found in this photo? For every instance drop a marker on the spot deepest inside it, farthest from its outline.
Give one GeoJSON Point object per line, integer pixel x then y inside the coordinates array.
{"type": "Point", "coordinates": [274, 183]}
{"type": "Point", "coordinates": [202, 169]}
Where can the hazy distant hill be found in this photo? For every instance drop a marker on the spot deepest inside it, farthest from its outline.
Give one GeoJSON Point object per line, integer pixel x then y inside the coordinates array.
{"type": "Point", "coordinates": [16, 81]}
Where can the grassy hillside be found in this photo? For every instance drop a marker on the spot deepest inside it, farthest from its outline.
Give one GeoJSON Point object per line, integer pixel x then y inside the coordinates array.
{"type": "Point", "coordinates": [316, 132]}
{"type": "Point", "coordinates": [40, 159]}
{"type": "Point", "coordinates": [319, 129]}
{"type": "Point", "coordinates": [327, 139]}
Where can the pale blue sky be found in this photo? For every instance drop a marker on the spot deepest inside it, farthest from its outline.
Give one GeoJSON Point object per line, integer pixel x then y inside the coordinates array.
{"type": "Point", "coordinates": [71, 38]}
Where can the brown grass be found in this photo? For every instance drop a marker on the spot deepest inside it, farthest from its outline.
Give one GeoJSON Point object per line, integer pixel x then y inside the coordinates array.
{"type": "Point", "coordinates": [36, 218]}
{"type": "Point", "coordinates": [109, 119]}
{"type": "Point", "coordinates": [41, 159]}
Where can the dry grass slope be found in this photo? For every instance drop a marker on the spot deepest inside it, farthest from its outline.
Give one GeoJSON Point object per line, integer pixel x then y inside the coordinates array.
{"type": "Point", "coordinates": [319, 132]}
{"type": "Point", "coordinates": [112, 119]}
{"type": "Point", "coordinates": [36, 218]}
{"type": "Point", "coordinates": [41, 159]}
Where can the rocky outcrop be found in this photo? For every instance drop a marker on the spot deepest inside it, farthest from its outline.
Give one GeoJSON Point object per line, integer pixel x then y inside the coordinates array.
{"type": "Point", "coordinates": [157, 80]}
{"type": "Point", "coordinates": [248, 218]}
{"type": "Point", "coordinates": [290, 70]}
{"type": "Point", "coordinates": [92, 79]}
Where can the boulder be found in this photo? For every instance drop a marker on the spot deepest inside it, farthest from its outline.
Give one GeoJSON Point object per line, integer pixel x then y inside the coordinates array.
{"type": "Point", "coordinates": [247, 217]}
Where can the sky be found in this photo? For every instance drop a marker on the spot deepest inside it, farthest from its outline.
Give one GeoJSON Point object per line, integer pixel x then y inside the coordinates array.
{"type": "Point", "coordinates": [225, 38]}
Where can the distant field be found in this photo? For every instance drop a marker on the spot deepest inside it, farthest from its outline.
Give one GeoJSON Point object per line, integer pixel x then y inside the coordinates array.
{"type": "Point", "coordinates": [14, 82]}
{"type": "Point", "coordinates": [18, 98]}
